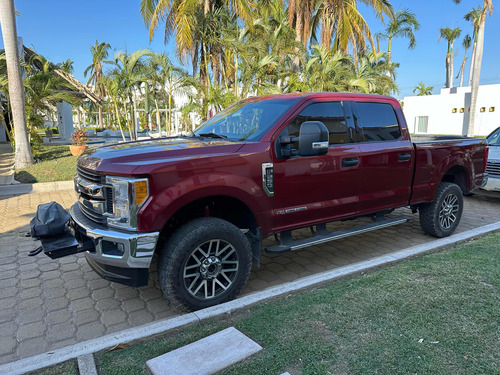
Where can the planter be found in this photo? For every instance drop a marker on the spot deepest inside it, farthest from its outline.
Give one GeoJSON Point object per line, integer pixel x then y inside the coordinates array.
{"type": "Point", "coordinates": [48, 133]}
{"type": "Point", "coordinates": [77, 150]}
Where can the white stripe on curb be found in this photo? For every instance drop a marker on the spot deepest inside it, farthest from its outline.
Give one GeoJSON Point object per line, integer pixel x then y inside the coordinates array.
{"type": "Point", "coordinates": [91, 346]}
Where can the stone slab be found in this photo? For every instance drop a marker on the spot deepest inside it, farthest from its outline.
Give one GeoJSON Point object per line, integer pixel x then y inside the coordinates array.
{"type": "Point", "coordinates": [86, 365]}
{"type": "Point", "coordinates": [206, 356]}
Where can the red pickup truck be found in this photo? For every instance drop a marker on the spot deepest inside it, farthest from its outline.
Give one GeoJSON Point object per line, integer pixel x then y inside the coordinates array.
{"type": "Point", "coordinates": [264, 166]}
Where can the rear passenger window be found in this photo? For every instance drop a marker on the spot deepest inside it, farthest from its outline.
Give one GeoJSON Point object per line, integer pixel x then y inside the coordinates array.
{"type": "Point", "coordinates": [329, 113]}
{"type": "Point", "coordinates": [378, 122]}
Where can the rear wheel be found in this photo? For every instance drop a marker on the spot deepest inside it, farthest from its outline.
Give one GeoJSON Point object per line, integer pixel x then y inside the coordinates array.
{"type": "Point", "coordinates": [441, 217]}
{"type": "Point", "coordinates": [206, 262]}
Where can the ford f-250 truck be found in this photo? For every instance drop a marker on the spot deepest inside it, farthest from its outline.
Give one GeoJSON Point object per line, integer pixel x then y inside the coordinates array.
{"type": "Point", "coordinates": [264, 166]}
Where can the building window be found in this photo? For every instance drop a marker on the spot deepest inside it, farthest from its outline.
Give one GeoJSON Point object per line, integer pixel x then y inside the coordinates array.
{"type": "Point", "coordinates": [492, 109]}
{"type": "Point", "coordinates": [462, 110]}
{"type": "Point", "coordinates": [483, 109]}
{"type": "Point", "coordinates": [421, 124]}
{"type": "Point", "coordinates": [454, 110]}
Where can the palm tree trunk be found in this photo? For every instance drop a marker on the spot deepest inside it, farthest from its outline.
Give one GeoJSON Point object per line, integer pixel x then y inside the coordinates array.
{"type": "Point", "coordinates": [128, 122]}
{"type": "Point", "coordinates": [169, 113]}
{"type": "Point", "coordinates": [462, 68]}
{"type": "Point", "coordinates": [448, 82]}
{"type": "Point", "coordinates": [298, 38]}
{"type": "Point", "coordinates": [23, 156]}
{"type": "Point", "coordinates": [473, 58]}
{"type": "Point", "coordinates": [101, 123]}
{"type": "Point", "coordinates": [478, 57]}
{"type": "Point", "coordinates": [118, 120]}
{"type": "Point", "coordinates": [158, 126]}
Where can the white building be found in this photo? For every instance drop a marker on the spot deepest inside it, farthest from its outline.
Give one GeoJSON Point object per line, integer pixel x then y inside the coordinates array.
{"type": "Point", "coordinates": [448, 112]}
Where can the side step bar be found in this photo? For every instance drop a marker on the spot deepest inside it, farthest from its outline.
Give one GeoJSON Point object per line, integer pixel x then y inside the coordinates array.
{"type": "Point", "coordinates": [322, 235]}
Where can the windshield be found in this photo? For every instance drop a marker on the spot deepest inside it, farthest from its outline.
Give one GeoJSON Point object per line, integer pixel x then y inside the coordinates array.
{"type": "Point", "coordinates": [494, 138]}
{"type": "Point", "coordinates": [245, 121]}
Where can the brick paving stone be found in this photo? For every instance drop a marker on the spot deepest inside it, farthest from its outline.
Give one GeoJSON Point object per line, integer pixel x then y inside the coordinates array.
{"type": "Point", "coordinates": [31, 303]}
{"type": "Point", "coordinates": [107, 304]}
{"type": "Point", "coordinates": [60, 331]}
{"type": "Point", "coordinates": [58, 316]}
{"type": "Point", "coordinates": [7, 329]}
{"type": "Point", "coordinates": [27, 331]}
{"type": "Point", "coordinates": [30, 293]}
{"type": "Point", "coordinates": [126, 293]}
{"type": "Point", "coordinates": [54, 292]}
{"type": "Point", "coordinates": [78, 293]}
{"type": "Point", "coordinates": [133, 305]}
{"type": "Point", "coordinates": [56, 303]}
{"type": "Point", "coordinates": [140, 317]}
{"type": "Point", "coordinates": [90, 331]}
{"type": "Point", "coordinates": [82, 304]}
{"type": "Point", "coordinates": [7, 345]}
{"type": "Point", "coordinates": [85, 316]}
{"type": "Point", "coordinates": [27, 347]}
{"type": "Point", "coordinates": [30, 316]}
{"type": "Point", "coordinates": [103, 293]}
{"type": "Point", "coordinates": [110, 317]}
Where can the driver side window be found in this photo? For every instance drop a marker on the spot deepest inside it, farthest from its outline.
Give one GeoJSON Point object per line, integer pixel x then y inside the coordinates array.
{"type": "Point", "coordinates": [331, 114]}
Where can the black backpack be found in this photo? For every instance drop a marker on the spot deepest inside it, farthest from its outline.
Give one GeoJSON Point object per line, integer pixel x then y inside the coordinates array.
{"type": "Point", "coordinates": [50, 220]}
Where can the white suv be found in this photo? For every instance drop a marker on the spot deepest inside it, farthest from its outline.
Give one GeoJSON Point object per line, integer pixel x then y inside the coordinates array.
{"type": "Point", "coordinates": [493, 168]}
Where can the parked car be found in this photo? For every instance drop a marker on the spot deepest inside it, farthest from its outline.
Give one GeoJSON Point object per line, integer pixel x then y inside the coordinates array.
{"type": "Point", "coordinates": [264, 166]}
{"type": "Point", "coordinates": [493, 165]}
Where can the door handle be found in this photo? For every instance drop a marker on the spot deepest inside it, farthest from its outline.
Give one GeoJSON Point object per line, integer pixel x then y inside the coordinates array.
{"type": "Point", "coordinates": [404, 156]}
{"type": "Point", "coordinates": [350, 162]}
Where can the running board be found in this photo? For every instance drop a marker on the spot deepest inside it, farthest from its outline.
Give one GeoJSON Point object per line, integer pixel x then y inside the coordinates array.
{"type": "Point", "coordinates": [322, 235]}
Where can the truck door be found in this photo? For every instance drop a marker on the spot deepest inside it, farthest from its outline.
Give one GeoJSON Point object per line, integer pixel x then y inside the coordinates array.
{"type": "Point", "coordinates": [386, 157]}
{"type": "Point", "coordinates": [317, 188]}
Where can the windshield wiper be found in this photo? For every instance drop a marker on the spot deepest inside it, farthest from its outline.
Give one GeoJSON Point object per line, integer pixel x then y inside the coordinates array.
{"type": "Point", "coordinates": [212, 135]}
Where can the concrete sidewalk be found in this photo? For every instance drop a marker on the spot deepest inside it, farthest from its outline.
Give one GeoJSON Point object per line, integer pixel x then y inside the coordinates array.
{"type": "Point", "coordinates": [6, 164]}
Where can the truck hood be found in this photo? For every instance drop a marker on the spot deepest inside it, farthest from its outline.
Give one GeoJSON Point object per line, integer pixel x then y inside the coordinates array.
{"type": "Point", "coordinates": [123, 158]}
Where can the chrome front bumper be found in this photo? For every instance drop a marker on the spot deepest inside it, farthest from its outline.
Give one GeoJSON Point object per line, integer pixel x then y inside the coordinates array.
{"type": "Point", "coordinates": [137, 248]}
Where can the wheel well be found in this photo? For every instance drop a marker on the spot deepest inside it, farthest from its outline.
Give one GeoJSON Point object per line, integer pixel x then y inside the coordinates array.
{"type": "Point", "coordinates": [223, 207]}
{"type": "Point", "coordinates": [458, 176]}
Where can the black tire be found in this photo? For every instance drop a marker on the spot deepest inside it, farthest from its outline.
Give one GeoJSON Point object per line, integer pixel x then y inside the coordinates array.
{"type": "Point", "coordinates": [211, 255]}
{"type": "Point", "coordinates": [441, 217]}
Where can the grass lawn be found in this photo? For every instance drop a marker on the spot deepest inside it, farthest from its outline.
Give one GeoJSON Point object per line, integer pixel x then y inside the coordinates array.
{"type": "Point", "coordinates": [436, 314]}
{"type": "Point", "coordinates": [56, 164]}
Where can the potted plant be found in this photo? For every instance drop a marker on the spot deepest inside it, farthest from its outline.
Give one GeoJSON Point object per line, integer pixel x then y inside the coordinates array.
{"type": "Point", "coordinates": [78, 142]}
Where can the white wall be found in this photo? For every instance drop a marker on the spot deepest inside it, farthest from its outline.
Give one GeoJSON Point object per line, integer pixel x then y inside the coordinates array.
{"type": "Point", "coordinates": [439, 109]}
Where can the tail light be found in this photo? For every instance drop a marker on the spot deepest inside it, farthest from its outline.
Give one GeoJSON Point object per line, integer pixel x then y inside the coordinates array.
{"type": "Point", "coordinates": [486, 153]}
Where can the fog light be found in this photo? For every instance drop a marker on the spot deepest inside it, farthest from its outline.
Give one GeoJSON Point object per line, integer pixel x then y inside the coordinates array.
{"type": "Point", "coordinates": [112, 248]}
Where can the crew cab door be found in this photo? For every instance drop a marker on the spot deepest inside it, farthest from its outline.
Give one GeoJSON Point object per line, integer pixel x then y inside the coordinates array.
{"type": "Point", "coordinates": [310, 189]}
{"type": "Point", "coordinates": [386, 157]}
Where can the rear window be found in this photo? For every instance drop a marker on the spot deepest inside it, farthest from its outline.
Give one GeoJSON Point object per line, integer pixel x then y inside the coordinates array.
{"type": "Point", "coordinates": [378, 122]}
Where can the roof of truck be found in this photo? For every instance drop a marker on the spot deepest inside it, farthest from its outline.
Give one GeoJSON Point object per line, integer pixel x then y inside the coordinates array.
{"type": "Point", "coordinates": [349, 95]}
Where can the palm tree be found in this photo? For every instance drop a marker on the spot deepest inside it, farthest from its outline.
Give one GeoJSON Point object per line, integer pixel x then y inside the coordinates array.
{"type": "Point", "coordinates": [112, 87]}
{"type": "Point", "coordinates": [99, 54]}
{"type": "Point", "coordinates": [422, 90]}
{"type": "Point", "coordinates": [402, 25]}
{"type": "Point", "coordinates": [450, 35]}
{"type": "Point", "coordinates": [129, 73]}
{"type": "Point", "coordinates": [342, 22]}
{"type": "Point", "coordinates": [23, 156]}
{"type": "Point", "coordinates": [67, 66]}
{"type": "Point", "coordinates": [466, 44]}
{"type": "Point", "coordinates": [473, 16]}
{"type": "Point", "coordinates": [167, 78]}
{"type": "Point", "coordinates": [478, 57]}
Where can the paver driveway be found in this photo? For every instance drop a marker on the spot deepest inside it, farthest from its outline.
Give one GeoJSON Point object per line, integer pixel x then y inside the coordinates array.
{"type": "Point", "coordinates": [46, 304]}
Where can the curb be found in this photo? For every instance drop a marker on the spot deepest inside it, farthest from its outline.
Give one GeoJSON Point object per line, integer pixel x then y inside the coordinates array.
{"type": "Point", "coordinates": [108, 341]}
{"type": "Point", "coordinates": [40, 187]}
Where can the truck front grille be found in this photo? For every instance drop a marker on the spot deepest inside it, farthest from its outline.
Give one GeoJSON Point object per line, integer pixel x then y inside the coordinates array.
{"type": "Point", "coordinates": [86, 197]}
{"type": "Point", "coordinates": [493, 169]}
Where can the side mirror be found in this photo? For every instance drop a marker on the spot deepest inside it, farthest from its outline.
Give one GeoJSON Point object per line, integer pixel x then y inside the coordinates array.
{"type": "Point", "coordinates": [313, 138]}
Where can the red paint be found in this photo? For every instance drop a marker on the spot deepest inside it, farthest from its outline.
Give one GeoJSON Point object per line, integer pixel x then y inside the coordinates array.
{"type": "Point", "coordinates": [181, 170]}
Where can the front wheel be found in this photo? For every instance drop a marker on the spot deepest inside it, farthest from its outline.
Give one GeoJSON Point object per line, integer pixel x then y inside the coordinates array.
{"type": "Point", "coordinates": [440, 218]}
{"type": "Point", "coordinates": [206, 262]}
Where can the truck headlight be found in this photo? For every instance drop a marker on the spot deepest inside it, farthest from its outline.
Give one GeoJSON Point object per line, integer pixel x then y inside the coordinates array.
{"type": "Point", "coordinates": [129, 196]}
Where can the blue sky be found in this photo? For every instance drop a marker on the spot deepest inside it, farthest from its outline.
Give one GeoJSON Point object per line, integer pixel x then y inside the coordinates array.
{"type": "Point", "coordinates": [61, 29]}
